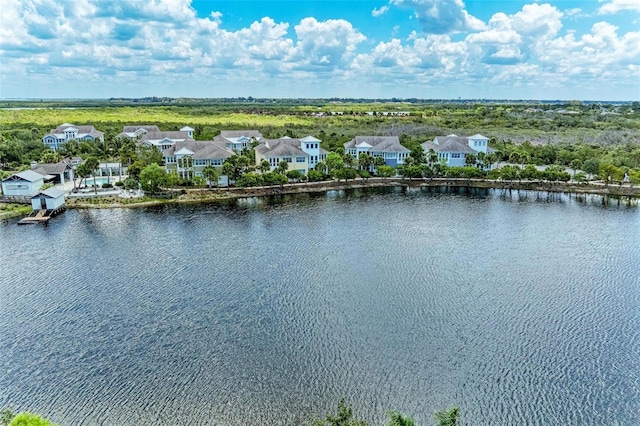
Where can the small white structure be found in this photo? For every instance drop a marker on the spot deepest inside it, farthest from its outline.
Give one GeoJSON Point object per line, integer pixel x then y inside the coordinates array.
{"type": "Point", "coordinates": [189, 131]}
{"type": "Point", "coordinates": [22, 184]}
{"type": "Point", "coordinates": [49, 199]}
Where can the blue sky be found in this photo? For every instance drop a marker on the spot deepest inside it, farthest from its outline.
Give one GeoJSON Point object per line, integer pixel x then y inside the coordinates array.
{"type": "Point", "coordinates": [444, 49]}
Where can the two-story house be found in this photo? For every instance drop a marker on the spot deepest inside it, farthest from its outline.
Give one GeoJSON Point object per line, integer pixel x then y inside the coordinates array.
{"type": "Point", "coordinates": [238, 140]}
{"type": "Point", "coordinates": [301, 154]}
{"type": "Point", "coordinates": [66, 132]}
{"type": "Point", "coordinates": [190, 157]}
{"type": "Point", "coordinates": [453, 149]}
{"type": "Point", "coordinates": [386, 147]}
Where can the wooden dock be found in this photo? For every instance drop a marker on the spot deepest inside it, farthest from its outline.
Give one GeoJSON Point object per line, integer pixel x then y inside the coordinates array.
{"type": "Point", "coordinates": [40, 216]}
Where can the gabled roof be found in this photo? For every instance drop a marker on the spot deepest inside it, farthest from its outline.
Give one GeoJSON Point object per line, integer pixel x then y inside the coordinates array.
{"type": "Point", "coordinates": [28, 175]}
{"type": "Point", "coordinates": [377, 143]}
{"type": "Point", "coordinates": [184, 151]}
{"type": "Point", "coordinates": [133, 129]}
{"type": "Point", "coordinates": [51, 168]}
{"type": "Point", "coordinates": [52, 192]}
{"type": "Point", "coordinates": [449, 144]}
{"type": "Point", "coordinates": [187, 129]}
{"type": "Point", "coordinates": [201, 150]}
{"type": "Point", "coordinates": [309, 138]}
{"type": "Point", "coordinates": [81, 129]}
{"type": "Point", "coordinates": [157, 136]}
{"type": "Point", "coordinates": [478, 136]}
{"type": "Point", "coordinates": [283, 147]}
{"type": "Point", "coordinates": [230, 134]}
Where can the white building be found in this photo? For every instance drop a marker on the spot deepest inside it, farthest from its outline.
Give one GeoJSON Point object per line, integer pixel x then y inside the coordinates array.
{"type": "Point", "coordinates": [22, 184]}
{"type": "Point", "coordinates": [453, 149]}
{"type": "Point", "coordinates": [49, 199]}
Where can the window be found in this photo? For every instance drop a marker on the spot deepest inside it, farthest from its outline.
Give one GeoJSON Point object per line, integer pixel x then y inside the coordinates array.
{"type": "Point", "coordinates": [288, 159]}
{"type": "Point", "coordinates": [300, 159]}
{"type": "Point", "coordinates": [200, 162]}
{"type": "Point", "coordinates": [455, 155]}
{"type": "Point", "coordinates": [216, 162]}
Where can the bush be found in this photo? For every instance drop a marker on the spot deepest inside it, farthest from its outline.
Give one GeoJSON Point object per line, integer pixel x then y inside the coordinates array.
{"type": "Point", "coordinates": [384, 171]}
{"type": "Point", "coordinates": [315, 175]}
{"type": "Point", "coordinates": [251, 179]}
{"type": "Point", "coordinates": [130, 183]}
{"type": "Point", "coordinates": [119, 183]}
{"type": "Point", "coordinates": [107, 185]}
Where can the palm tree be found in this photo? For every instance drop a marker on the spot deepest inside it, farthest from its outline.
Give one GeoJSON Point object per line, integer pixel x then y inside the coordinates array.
{"type": "Point", "coordinates": [491, 158]}
{"type": "Point", "coordinates": [470, 159]}
{"type": "Point", "coordinates": [321, 166]}
{"type": "Point", "coordinates": [432, 157]}
{"type": "Point", "coordinates": [575, 164]}
{"type": "Point", "coordinates": [264, 166]}
{"type": "Point", "coordinates": [397, 419]}
{"type": "Point", "coordinates": [447, 417]}
{"type": "Point", "coordinates": [211, 174]}
{"type": "Point", "coordinates": [282, 168]}
{"type": "Point", "coordinates": [364, 161]}
{"type": "Point", "coordinates": [482, 159]}
{"type": "Point", "coordinates": [91, 165]}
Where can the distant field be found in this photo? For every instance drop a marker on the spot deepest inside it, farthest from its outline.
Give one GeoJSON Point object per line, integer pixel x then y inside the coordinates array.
{"type": "Point", "coordinates": [340, 121]}
{"type": "Point", "coordinates": [148, 115]}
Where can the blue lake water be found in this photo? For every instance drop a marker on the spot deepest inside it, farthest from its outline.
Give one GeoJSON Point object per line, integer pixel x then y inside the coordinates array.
{"type": "Point", "coordinates": [519, 308]}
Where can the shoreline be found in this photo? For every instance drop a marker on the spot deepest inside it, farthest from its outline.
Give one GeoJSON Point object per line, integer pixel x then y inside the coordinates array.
{"type": "Point", "coordinates": [206, 195]}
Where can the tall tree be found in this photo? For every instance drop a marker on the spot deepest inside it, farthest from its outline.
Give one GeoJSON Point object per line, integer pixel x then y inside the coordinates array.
{"type": "Point", "coordinates": [152, 177]}
{"type": "Point", "coordinates": [211, 174]}
{"type": "Point", "coordinates": [418, 155]}
{"type": "Point", "coordinates": [92, 165]}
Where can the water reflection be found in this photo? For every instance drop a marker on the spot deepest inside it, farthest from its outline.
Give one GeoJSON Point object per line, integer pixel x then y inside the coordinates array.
{"type": "Point", "coordinates": [266, 311]}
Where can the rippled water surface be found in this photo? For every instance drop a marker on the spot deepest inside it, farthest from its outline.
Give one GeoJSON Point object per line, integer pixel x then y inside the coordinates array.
{"type": "Point", "coordinates": [521, 309]}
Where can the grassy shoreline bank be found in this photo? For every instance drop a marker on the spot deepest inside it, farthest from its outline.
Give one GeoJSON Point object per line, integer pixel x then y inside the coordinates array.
{"type": "Point", "coordinates": [193, 196]}
{"type": "Point", "coordinates": [205, 195]}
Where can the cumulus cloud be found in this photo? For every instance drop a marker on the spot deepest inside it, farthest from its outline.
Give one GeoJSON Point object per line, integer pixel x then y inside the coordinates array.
{"type": "Point", "coordinates": [324, 45]}
{"type": "Point", "coordinates": [441, 16]}
{"type": "Point", "coordinates": [162, 44]}
{"type": "Point", "coordinates": [615, 6]}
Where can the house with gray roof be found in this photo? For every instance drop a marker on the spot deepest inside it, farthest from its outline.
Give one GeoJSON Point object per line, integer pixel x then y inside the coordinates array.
{"type": "Point", "coordinates": [238, 140]}
{"type": "Point", "coordinates": [188, 158]}
{"type": "Point", "coordinates": [22, 184]}
{"type": "Point", "coordinates": [164, 140]}
{"type": "Point", "coordinates": [54, 172]}
{"type": "Point", "coordinates": [453, 149]}
{"type": "Point", "coordinates": [137, 132]}
{"type": "Point", "coordinates": [65, 132]}
{"type": "Point", "coordinates": [301, 154]}
{"type": "Point", "coordinates": [386, 147]}
{"type": "Point", "coordinates": [49, 199]}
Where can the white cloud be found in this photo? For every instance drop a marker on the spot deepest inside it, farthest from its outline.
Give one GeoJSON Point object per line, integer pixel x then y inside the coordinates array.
{"type": "Point", "coordinates": [441, 16]}
{"type": "Point", "coordinates": [323, 45]}
{"type": "Point", "coordinates": [162, 45]}
{"type": "Point", "coordinates": [615, 6]}
{"type": "Point", "coordinates": [379, 12]}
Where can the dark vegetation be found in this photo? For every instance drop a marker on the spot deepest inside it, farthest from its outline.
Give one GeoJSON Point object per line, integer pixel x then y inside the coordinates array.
{"type": "Point", "coordinates": [581, 141]}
